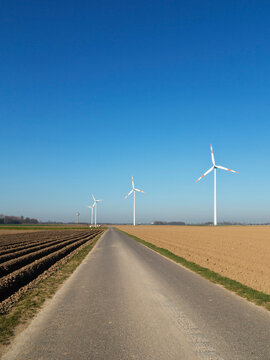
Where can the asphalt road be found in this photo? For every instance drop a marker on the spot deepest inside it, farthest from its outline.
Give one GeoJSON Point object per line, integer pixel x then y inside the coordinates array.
{"type": "Point", "coordinates": [127, 302]}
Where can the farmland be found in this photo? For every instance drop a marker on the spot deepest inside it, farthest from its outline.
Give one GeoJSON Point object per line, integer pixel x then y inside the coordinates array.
{"type": "Point", "coordinates": [241, 253]}
{"type": "Point", "coordinates": [26, 256]}
{"type": "Point", "coordinates": [15, 229]}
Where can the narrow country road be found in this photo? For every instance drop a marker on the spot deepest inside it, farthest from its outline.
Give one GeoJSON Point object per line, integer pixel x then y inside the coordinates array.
{"type": "Point", "coordinates": [127, 302]}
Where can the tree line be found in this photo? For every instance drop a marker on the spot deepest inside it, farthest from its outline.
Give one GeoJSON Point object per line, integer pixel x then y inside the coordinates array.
{"type": "Point", "coordinates": [4, 219]}
{"type": "Point", "coordinates": [169, 223]}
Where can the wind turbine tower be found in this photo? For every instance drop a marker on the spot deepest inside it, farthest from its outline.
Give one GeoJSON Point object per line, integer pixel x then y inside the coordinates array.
{"type": "Point", "coordinates": [92, 208]}
{"type": "Point", "coordinates": [95, 206]}
{"type": "Point", "coordinates": [215, 167]}
{"type": "Point", "coordinates": [133, 190]}
{"type": "Point", "coordinates": [78, 214]}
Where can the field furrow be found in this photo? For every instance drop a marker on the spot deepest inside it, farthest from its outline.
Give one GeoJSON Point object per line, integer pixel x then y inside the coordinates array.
{"type": "Point", "coordinates": [20, 271]}
{"type": "Point", "coordinates": [15, 252]}
{"type": "Point", "coordinates": [21, 261]}
{"type": "Point", "coordinates": [29, 241]}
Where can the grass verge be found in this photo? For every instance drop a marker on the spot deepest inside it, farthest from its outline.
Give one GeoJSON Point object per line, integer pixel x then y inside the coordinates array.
{"type": "Point", "coordinates": [257, 297]}
{"type": "Point", "coordinates": [30, 303]}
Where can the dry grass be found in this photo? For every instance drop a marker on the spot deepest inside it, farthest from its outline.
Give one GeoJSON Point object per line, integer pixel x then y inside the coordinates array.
{"type": "Point", "coordinates": [241, 253]}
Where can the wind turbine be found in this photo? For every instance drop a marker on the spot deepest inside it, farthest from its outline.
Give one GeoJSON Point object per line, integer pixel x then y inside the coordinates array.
{"type": "Point", "coordinates": [95, 206]}
{"type": "Point", "coordinates": [92, 208]}
{"type": "Point", "coordinates": [215, 167]}
{"type": "Point", "coordinates": [78, 214]}
{"type": "Point", "coordinates": [133, 191]}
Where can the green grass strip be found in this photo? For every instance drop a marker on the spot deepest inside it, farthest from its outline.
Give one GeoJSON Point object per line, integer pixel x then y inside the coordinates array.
{"type": "Point", "coordinates": [29, 304]}
{"type": "Point", "coordinates": [257, 297]}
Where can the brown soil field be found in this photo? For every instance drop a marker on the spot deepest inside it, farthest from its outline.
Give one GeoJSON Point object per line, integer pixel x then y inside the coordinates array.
{"type": "Point", "coordinates": [4, 232]}
{"type": "Point", "coordinates": [241, 253]}
{"type": "Point", "coordinates": [24, 257]}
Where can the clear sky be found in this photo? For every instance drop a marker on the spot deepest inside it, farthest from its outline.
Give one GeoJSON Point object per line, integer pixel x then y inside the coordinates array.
{"type": "Point", "coordinates": [93, 92]}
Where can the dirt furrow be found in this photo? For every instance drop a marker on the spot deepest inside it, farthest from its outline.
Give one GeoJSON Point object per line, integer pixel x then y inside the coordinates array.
{"type": "Point", "coordinates": [32, 240]}
{"type": "Point", "coordinates": [15, 253]}
{"type": "Point", "coordinates": [19, 262]}
{"type": "Point", "coordinates": [12, 282]}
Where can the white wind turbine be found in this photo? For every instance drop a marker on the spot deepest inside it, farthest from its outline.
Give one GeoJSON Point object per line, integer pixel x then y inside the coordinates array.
{"type": "Point", "coordinates": [215, 167]}
{"type": "Point", "coordinates": [78, 214]}
{"type": "Point", "coordinates": [133, 191]}
{"type": "Point", "coordinates": [92, 208]}
{"type": "Point", "coordinates": [95, 206]}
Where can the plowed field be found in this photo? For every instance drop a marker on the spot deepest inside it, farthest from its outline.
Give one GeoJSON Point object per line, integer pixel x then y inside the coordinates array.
{"type": "Point", "coordinates": [25, 256]}
{"type": "Point", "coordinates": [241, 253]}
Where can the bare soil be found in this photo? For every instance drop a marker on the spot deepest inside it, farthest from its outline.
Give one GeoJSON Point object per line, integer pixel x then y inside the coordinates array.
{"type": "Point", "coordinates": [3, 231]}
{"type": "Point", "coordinates": [25, 257]}
{"type": "Point", "coordinates": [241, 253]}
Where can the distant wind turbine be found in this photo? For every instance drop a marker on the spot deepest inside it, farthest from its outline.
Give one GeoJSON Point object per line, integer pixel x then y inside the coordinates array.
{"type": "Point", "coordinates": [133, 191]}
{"type": "Point", "coordinates": [95, 206]}
{"type": "Point", "coordinates": [215, 167]}
{"type": "Point", "coordinates": [92, 208]}
{"type": "Point", "coordinates": [78, 214]}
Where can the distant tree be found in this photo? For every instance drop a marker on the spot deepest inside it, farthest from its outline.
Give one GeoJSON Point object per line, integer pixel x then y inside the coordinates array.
{"type": "Point", "coordinates": [30, 221]}
{"type": "Point", "coordinates": [17, 220]}
{"type": "Point", "coordinates": [169, 223]}
{"type": "Point", "coordinates": [11, 220]}
{"type": "Point", "coordinates": [177, 223]}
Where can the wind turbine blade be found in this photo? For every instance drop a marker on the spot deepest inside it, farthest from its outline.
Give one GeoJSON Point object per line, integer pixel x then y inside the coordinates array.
{"type": "Point", "coordinates": [223, 168]}
{"type": "Point", "coordinates": [139, 190]}
{"type": "Point", "coordinates": [207, 172]}
{"type": "Point", "coordinates": [212, 155]}
{"type": "Point", "coordinates": [129, 194]}
{"type": "Point", "coordinates": [132, 182]}
{"type": "Point", "coordinates": [93, 198]}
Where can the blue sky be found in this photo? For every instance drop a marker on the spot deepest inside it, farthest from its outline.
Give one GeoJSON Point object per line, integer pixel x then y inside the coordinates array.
{"type": "Point", "coordinates": [93, 92]}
